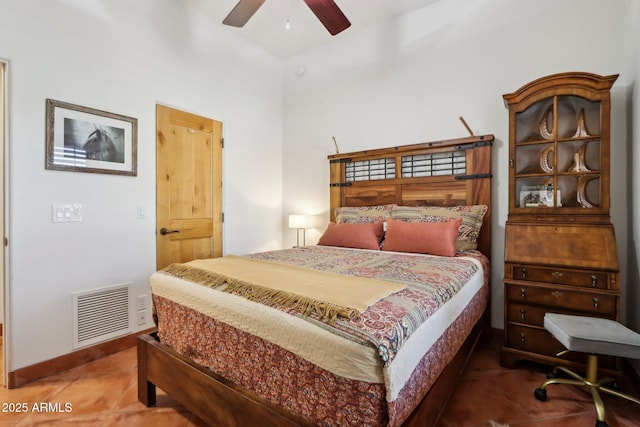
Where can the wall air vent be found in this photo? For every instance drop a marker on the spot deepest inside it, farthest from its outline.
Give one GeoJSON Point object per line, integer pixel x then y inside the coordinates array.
{"type": "Point", "coordinates": [100, 314]}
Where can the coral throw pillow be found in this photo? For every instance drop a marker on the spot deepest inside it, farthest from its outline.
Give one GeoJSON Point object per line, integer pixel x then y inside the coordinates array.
{"type": "Point", "coordinates": [469, 231]}
{"type": "Point", "coordinates": [435, 238]}
{"type": "Point", "coordinates": [360, 236]}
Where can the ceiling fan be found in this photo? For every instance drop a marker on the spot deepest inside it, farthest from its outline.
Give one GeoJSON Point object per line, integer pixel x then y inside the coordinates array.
{"type": "Point", "coordinates": [327, 11]}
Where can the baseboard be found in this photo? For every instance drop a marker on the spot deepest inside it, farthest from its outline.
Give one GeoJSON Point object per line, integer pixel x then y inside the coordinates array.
{"type": "Point", "coordinates": [497, 337]}
{"type": "Point", "coordinates": [50, 367]}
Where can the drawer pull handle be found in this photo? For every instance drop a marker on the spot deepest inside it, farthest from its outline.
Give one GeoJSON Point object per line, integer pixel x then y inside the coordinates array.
{"type": "Point", "coordinates": [556, 294]}
{"type": "Point", "coordinates": [557, 274]}
{"type": "Point", "coordinates": [523, 313]}
{"type": "Point", "coordinates": [522, 340]}
{"type": "Point", "coordinates": [523, 293]}
{"type": "Point", "coordinates": [594, 280]}
{"type": "Point", "coordinates": [596, 302]}
{"type": "Point", "coordinates": [524, 274]}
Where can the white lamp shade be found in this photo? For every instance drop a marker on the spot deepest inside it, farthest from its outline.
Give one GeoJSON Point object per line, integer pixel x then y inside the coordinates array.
{"type": "Point", "coordinates": [299, 221]}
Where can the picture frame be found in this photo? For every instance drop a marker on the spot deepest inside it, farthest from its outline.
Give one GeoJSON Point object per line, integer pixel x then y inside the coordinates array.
{"type": "Point", "coordinates": [83, 139]}
{"type": "Point", "coordinates": [539, 196]}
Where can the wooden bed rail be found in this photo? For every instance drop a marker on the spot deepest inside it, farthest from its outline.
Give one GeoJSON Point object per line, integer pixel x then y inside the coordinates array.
{"type": "Point", "coordinates": [214, 399]}
{"type": "Point", "coordinates": [220, 403]}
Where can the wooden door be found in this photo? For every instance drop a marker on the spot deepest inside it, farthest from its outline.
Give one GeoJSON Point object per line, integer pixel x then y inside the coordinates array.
{"type": "Point", "coordinates": [188, 187]}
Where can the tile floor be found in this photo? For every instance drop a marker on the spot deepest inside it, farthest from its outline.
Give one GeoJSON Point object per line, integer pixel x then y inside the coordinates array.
{"type": "Point", "coordinates": [103, 393]}
{"type": "Point", "coordinates": [488, 391]}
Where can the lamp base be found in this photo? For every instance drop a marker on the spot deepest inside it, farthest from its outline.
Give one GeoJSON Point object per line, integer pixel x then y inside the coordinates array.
{"type": "Point", "coordinates": [298, 237]}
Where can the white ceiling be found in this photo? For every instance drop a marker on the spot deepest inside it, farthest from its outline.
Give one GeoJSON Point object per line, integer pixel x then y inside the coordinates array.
{"type": "Point", "coordinates": [267, 27]}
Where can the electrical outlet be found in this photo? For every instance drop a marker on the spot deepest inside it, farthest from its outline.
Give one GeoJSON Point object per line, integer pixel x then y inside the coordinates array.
{"type": "Point", "coordinates": [142, 317]}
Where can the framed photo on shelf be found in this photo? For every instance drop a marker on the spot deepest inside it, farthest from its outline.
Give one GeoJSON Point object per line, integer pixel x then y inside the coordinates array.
{"type": "Point", "coordinates": [82, 139]}
{"type": "Point", "coordinates": [538, 196]}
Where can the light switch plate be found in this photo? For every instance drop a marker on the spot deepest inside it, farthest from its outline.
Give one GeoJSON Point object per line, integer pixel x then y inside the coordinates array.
{"type": "Point", "coordinates": [142, 302]}
{"type": "Point", "coordinates": [70, 212]}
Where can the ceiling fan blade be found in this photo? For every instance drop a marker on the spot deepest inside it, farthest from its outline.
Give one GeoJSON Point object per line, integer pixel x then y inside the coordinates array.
{"type": "Point", "coordinates": [329, 14]}
{"type": "Point", "coordinates": [242, 12]}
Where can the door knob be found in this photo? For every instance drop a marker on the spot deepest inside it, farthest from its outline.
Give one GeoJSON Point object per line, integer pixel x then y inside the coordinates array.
{"type": "Point", "coordinates": [164, 231]}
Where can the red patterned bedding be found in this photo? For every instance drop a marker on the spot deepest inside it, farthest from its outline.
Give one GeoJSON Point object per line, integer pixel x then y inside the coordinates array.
{"type": "Point", "coordinates": [394, 331]}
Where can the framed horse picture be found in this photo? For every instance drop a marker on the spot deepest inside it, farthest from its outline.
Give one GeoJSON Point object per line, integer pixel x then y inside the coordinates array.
{"type": "Point", "coordinates": [82, 139]}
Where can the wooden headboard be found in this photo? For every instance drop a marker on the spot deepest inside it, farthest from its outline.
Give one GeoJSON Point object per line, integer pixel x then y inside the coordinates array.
{"type": "Point", "coordinates": [439, 173]}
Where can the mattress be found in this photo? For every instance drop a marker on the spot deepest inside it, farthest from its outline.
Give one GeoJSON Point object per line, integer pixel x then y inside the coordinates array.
{"type": "Point", "coordinates": [381, 363]}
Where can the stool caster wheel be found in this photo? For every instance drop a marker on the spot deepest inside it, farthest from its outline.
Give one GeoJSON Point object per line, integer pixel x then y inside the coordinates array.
{"type": "Point", "coordinates": [601, 424]}
{"type": "Point", "coordinates": [541, 395]}
{"type": "Point", "coordinates": [552, 375]}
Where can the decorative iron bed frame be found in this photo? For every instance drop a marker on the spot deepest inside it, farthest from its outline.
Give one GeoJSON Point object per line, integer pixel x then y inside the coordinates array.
{"type": "Point", "coordinates": [440, 173]}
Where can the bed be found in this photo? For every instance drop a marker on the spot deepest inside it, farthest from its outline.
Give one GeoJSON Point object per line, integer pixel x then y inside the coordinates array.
{"type": "Point", "coordinates": [232, 350]}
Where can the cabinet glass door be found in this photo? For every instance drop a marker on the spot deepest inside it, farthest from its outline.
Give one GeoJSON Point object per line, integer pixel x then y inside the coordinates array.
{"type": "Point", "coordinates": [558, 154]}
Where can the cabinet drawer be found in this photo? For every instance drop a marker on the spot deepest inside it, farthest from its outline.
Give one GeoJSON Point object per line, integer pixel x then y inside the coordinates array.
{"type": "Point", "coordinates": [540, 341]}
{"type": "Point", "coordinates": [533, 339]}
{"type": "Point", "coordinates": [534, 314]}
{"type": "Point", "coordinates": [576, 301]}
{"type": "Point", "coordinates": [529, 314]}
{"type": "Point", "coordinates": [560, 276]}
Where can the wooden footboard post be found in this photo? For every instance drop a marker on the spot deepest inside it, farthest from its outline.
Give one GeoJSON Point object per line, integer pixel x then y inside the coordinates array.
{"type": "Point", "coordinates": [146, 389]}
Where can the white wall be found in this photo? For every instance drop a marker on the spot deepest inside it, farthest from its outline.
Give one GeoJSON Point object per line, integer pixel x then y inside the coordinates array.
{"type": "Point", "coordinates": [123, 57]}
{"type": "Point", "coordinates": [409, 80]}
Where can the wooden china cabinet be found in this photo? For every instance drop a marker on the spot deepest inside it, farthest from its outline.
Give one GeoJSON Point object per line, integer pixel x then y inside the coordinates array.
{"type": "Point", "coordinates": [560, 247]}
